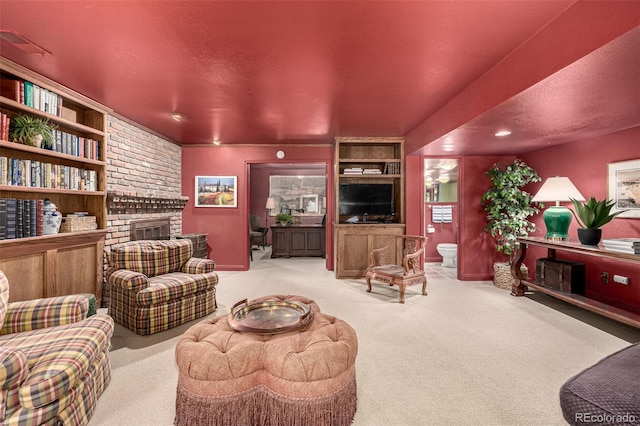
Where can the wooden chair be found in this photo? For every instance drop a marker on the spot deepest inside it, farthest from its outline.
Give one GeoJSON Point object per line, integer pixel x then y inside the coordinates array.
{"type": "Point", "coordinates": [409, 273]}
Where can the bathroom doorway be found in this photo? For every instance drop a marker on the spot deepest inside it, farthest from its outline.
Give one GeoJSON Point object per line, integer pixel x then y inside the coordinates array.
{"type": "Point", "coordinates": [441, 211]}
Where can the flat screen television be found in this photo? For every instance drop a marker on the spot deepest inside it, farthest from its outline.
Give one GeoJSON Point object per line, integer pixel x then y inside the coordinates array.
{"type": "Point", "coordinates": [369, 198]}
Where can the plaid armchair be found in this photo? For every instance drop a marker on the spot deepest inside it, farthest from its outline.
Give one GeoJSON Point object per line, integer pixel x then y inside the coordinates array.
{"type": "Point", "coordinates": [54, 362]}
{"type": "Point", "coordinates": [157, 285]}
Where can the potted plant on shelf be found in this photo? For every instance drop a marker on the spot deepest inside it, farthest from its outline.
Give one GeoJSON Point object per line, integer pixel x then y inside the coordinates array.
{"type": "Point", "coordinates": [508, 207]}
{"type": "Point", "coordinates": [284, 218]}
{"type": "Point", "coordinates": [591, 216]}
{"type": "Point", "coordinates": [33, 131]}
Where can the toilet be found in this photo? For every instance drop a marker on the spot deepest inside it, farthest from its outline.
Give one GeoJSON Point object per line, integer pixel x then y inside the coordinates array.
{"type": "Point", "coordinates": [449, 253]}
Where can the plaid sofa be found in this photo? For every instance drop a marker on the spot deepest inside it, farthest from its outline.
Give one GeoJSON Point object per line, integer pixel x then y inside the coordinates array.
{"type": "Point", "coordinates": [54, 362]}
{"type": "Point", "coordinates": [157, 285]}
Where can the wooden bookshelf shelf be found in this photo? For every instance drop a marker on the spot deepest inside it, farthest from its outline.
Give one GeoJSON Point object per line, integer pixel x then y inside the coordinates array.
{"type": "Point", "coordinates": [522, 285]}
{"type": "Point", "coordinates": [72, 262]}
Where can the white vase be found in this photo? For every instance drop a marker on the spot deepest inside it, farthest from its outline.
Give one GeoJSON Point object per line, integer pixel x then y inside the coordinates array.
{"type": "Point", "coordinates": [51, 218]}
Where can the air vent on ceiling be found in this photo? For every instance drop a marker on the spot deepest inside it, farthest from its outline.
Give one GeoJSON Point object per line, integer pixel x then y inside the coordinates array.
{"type": "Point", "coordinates": [22, 43]}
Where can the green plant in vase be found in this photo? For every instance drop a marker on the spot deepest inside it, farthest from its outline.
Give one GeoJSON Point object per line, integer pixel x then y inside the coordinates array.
{"type": "Point", "coordinates": [33, 131]}
{"type": "Point", "coordinates": [591, 216]}
{"type": "Point", "coordinates": [508, 208]}
{"type": "Point", "coordinates": [284, 218]}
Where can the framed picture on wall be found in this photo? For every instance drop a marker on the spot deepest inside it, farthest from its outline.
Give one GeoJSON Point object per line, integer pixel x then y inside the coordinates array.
{"type": "Point", "coordinates": [309, 203]}
{"type": "Point", "coordinates": [624, 187]}
{"type": "Point", "coordinates": [216, 191]}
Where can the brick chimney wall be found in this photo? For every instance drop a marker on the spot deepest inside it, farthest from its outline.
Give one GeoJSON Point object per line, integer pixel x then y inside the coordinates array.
{"type": "Point", "coordinates": [140, 164]}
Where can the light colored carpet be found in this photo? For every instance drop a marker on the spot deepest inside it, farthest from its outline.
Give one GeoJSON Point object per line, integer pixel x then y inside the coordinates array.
{"type": "Point", "coordinates": [466, 354]}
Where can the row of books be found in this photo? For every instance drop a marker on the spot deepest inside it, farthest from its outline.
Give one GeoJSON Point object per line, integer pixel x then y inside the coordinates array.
{"type": "Point", "coordinates": [79, 146]}
{"type": "Point", "coordinates": [622, 245]}
{"type": "Point", "coordinates": [5, 122]}
{"type": "Point", "coordinates": [20, 218]}
{"type": "Point", "coordinates": [32, 95]}
{"type": "Point", "coordinates": [38, 174]}
{"type": "Point", "coordinates": [353, 171]}
{"type": "Point", "coordinates": [63, 142]}
{"type": "Point", "coordinates": [391, 168]}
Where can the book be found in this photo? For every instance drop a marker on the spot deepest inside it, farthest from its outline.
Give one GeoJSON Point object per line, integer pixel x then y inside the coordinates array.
{"type": "Point", "coordinates": [26, 218]}
{"type": "Point", "coordinates": [3, 218]}
{"type": "Point", "coordinates": [10, 89]}
{"type": "Point", "coordinates": [39, 216]}
{"type": "Point", "coordinates": [33, 218]}
{"type": "Point", "coordinates": [628, 250]}
{"type": "Point", "coordinates": [19, 219]}
{"type": "Point", "coordinates": [622, 242]}
{"type": "Point", "coordinates": [28, 93]}
{"type": "Point", "coordinates": [11, 218]}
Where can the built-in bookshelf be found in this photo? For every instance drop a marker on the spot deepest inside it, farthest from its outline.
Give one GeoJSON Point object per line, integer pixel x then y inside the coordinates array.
{"type": "Point", "coordinates": [368, 160]}
{"type": "Point", "coordinates": [70, 172]}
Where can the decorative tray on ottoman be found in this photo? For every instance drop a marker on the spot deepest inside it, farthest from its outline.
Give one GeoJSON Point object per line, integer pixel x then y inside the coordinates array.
{"type": "Point", "coordinates": [270, 316]}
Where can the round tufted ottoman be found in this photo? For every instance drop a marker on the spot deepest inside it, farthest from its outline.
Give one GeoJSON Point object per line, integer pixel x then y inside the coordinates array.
{"type": "Point", "coordinates": [227, 377]}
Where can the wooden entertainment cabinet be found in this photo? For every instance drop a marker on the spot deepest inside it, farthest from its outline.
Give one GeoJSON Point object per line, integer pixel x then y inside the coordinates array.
{"type": "Point", "coordinates": [354, 242]}
{"type": "Point", "coordinates": [521, 285]}
{"type": "Point", "coordinates": [69, 262]}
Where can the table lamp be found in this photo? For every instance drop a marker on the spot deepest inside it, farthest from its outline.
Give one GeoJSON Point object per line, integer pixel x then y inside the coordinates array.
{"type": "Point", "coordinates": [271, 204]}
{"type": "Point", "coordinates": [557, 218]}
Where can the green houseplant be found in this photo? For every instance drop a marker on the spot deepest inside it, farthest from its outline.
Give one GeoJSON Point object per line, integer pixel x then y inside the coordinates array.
{"type": "Point", "coordinates": [284, 218]}
{"type": "Point", "coordinates": [34, 131]}
{"type": "Point", "coordinates": [508, 208]}
{"type": "Point", "coordinates": [591, 216]}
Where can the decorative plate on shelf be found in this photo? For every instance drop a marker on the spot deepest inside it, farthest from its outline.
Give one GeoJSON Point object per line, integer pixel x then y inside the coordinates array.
{"type": "Point", "coordinates": [270, 316]}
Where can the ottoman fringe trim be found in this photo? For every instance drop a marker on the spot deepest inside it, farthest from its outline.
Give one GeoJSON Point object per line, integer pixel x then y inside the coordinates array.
{"type": "Point", "coordinates": [263, 407]}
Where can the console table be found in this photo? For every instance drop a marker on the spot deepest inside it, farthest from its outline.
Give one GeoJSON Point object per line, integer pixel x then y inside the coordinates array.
{"type": "Point", "coordinates": [297, 240]}
{"type": "Point", "coordinates": [521, 284]}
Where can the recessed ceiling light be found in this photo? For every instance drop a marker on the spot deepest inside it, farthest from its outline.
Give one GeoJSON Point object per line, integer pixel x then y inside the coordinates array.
{"type": "Point", "coordinates": [177, 116]}
{"type": "Point", "coordinates": [502, 133]}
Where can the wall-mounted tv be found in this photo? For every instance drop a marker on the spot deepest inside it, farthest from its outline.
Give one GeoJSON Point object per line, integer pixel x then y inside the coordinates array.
{"type": "Point", "coordinates": [369, 198]}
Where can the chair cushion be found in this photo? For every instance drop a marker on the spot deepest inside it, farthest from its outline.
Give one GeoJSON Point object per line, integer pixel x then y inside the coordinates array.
{"type": "Point", "coordinates": [177, 285]}
{"type": "Point", "coordinates": [4, 297]}
{"type": "Point", "coordinates": [151, 257]}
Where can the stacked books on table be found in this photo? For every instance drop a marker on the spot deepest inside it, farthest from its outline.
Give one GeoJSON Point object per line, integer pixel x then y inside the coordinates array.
{"type": "Point", "coordinates": [622, 245]}
{"type": "Point", "coordinates": [353, 171]}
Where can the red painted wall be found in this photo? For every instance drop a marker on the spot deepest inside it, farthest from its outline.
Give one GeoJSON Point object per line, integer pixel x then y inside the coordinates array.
{"type": "Point", "coordinates": [476, 249]}
{"type": "Point", "coordinates": [585, 163]}
{"type": "Point", "coordinates": [228, 227]}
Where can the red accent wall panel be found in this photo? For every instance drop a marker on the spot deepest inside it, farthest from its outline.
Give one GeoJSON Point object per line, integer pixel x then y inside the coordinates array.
{"type": "Point", "coordinates": [585, 163]}
{"type": "Point", "coordinates": [228, 227]}
{"type": "Point", "coordinates": [476, 249]}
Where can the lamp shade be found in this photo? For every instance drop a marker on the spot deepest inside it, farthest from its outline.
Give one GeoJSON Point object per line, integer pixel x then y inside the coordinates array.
{"type": "Point", "coordinates": [558, 189]}
{"type": "Point", "coordinates": [557, 218]}
{"type": "Point", "coordinates": [271, 203]}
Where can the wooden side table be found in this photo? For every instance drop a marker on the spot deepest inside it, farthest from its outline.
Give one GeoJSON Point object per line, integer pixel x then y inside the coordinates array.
{"type": "Point", "coordinates": [199, 242]}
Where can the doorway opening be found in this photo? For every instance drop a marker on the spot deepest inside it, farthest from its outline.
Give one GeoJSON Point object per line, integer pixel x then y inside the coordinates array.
{"type": "Point", "coordinates": [441, 212]}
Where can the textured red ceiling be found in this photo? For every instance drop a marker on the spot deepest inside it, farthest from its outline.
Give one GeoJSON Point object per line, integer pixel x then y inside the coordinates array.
{"type": "Point", "coordinates": [273, 72]}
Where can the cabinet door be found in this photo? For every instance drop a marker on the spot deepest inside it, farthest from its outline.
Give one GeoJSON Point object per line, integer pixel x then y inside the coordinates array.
{"type": "Point", "coordinates": [315, 242]}
{"type": "Point", "coordinates": [355, 243]}
{"type": "Point", "coordinates": [352, 254]}
{"type": "Point", "coordinates": [280, 242]}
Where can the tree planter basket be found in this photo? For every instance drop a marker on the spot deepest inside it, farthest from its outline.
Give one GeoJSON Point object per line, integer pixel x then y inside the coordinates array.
{"type": "Point", "coordinates": [502, 277]}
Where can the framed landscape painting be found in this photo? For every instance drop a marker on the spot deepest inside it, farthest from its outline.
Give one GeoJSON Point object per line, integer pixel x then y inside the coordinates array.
{"type": "Point", "coordinates": [216, 191]}
{"type": "Point", "coordinates": [624, 187]}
